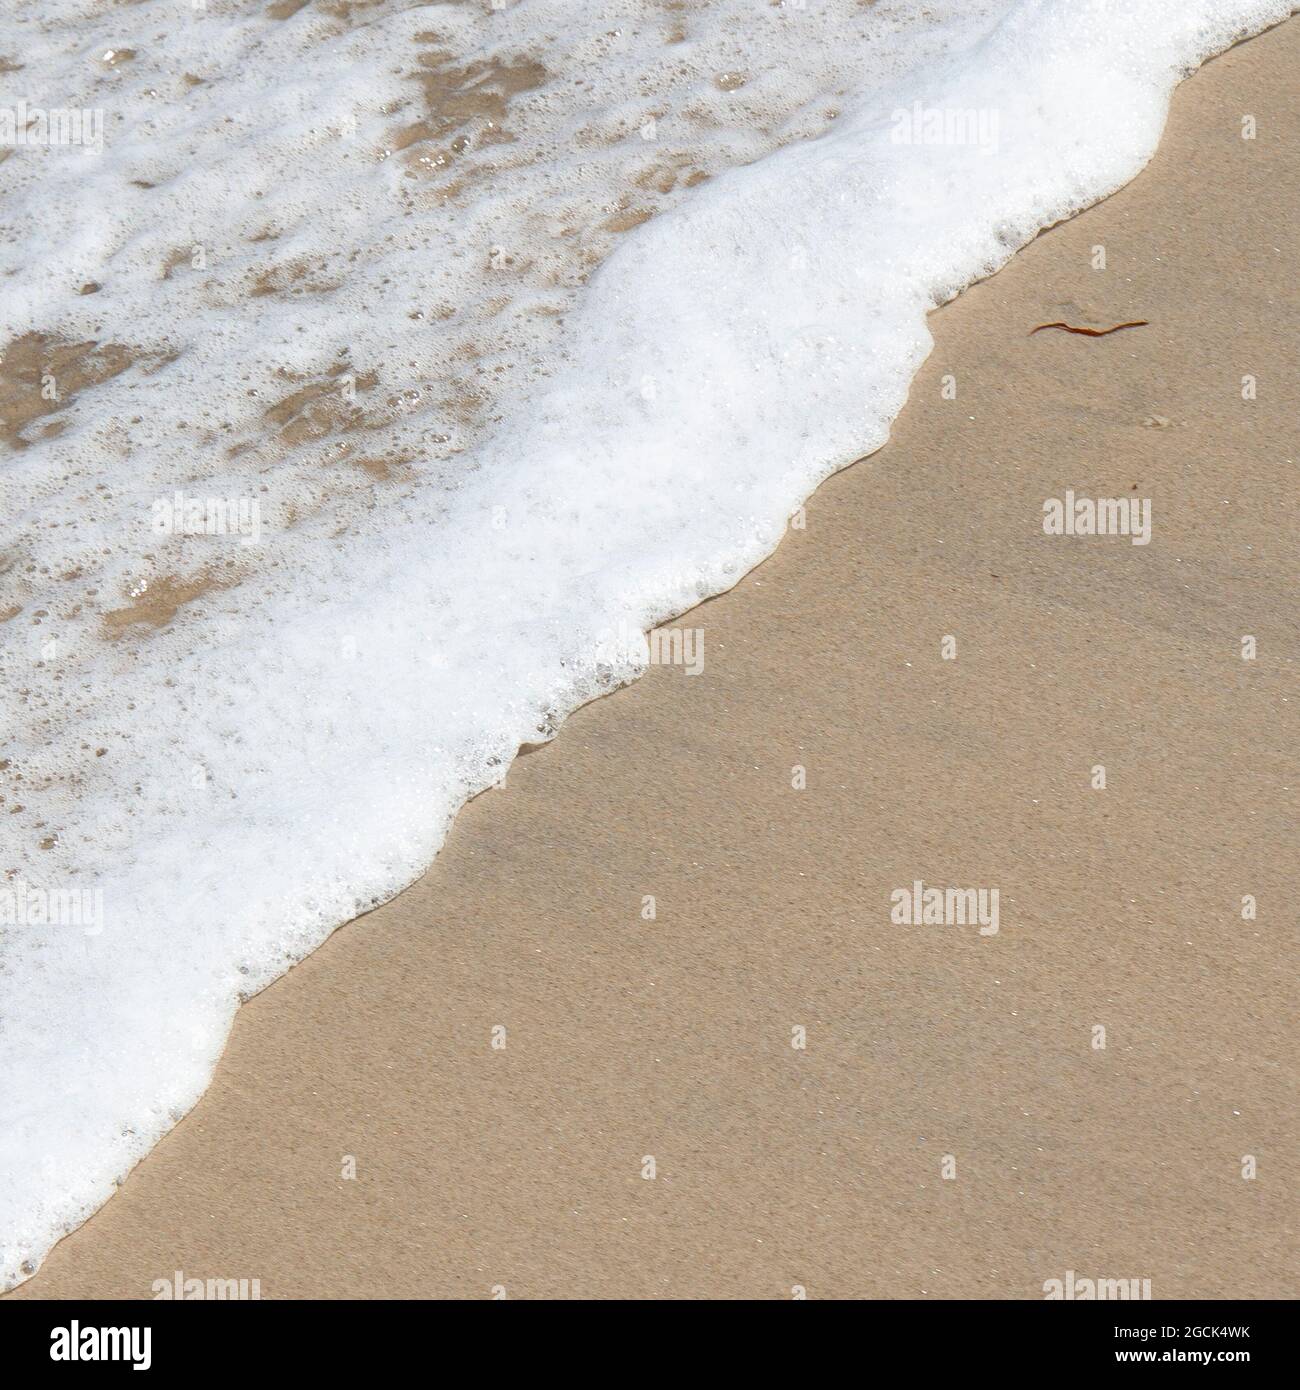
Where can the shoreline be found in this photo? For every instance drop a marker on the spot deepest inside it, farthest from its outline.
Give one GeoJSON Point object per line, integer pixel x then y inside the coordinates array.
{"type": "Point", "coordinates": [821, 1166]}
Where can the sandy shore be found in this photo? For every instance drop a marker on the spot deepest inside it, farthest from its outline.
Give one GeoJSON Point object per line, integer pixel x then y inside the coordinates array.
{"type": "Point", "coordinates": [823, 1167]}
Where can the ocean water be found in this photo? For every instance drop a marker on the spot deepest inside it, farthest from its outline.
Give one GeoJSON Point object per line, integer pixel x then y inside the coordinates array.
{"type": "Point", "coordinates": [370, 370]}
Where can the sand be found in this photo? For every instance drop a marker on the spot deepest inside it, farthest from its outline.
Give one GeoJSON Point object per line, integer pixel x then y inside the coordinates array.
{"type": "Point", "coordinates": [929, 1049]}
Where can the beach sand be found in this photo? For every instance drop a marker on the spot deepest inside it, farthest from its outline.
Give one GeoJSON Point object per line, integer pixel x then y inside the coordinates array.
{"type": "Point", "coordinates": [822, 1168]}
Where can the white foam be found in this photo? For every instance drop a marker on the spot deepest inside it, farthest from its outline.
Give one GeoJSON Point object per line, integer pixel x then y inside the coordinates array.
{"type": "Point", "coordinates": [602, 427]}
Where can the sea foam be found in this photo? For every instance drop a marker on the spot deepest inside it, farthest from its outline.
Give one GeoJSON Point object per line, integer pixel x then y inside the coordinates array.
{"type": "Point", "coordinates": [522, 328]}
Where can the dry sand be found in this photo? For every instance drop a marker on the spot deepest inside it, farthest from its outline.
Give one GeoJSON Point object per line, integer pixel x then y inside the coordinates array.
{"type": "Point", "coordinates": [821, 1168]}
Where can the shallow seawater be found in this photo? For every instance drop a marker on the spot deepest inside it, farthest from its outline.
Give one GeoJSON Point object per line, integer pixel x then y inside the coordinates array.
{"type": "Point", "coordinates": [373, 374]}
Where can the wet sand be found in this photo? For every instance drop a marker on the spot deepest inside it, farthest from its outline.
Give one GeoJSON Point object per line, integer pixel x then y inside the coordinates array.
{"type": "Point", "coordinates": [929, 1048]}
